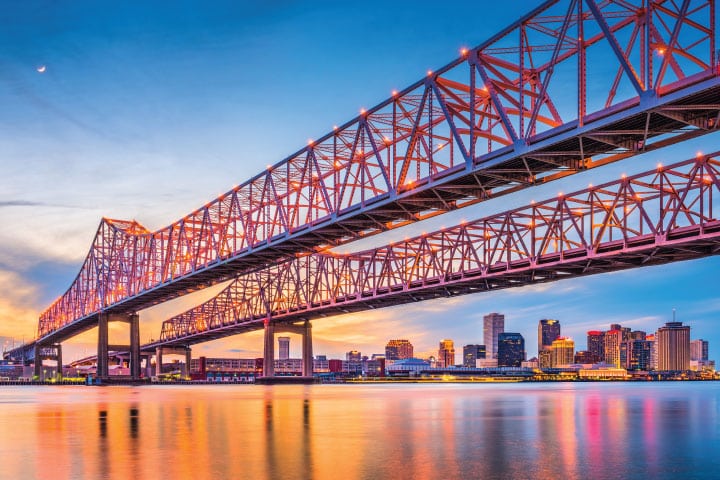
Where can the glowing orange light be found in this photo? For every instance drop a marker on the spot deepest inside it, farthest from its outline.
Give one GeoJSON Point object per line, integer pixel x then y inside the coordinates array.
{"type": "Point", "coordinates": [660, 51]}
{"type": "Point", "coordinates": [338, 164]}
{"type": "Point", "coordinates": [463, 51]}
{"type": "Point", "coordinates": [560, 194]}
{"type": "Point", "coordinates": [335, 127]}
{"type": "Point", "coordinates": [310, 141]}
{"type": "Point", "coordinates": [623, 176]}
{"type": "Point", "coordinates": [362, 111]}
{"type": "Point", "coordinates": [394, 93]}
{"type": "Point", "coordinates": [659, 166]}
{"type": "Point", "coordinates": [590, 185]}
{"type": "Point", "coordinates": [386, 139]}
{"type": "Point", "coordinates": [429, 73]}
{"type": "Point", "coordinates": [699, 154]}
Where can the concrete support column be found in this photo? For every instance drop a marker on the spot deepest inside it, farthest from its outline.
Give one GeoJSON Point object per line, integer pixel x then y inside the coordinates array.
{"type": "Point", "coordinates": [58, 356]}
{"type": "Point", "coordinates": [38, 362]}
{"type": "Point", "coordinates": [188, 358]}
{"type": "Point", "coordinates": [158, 361]}
{"type": "Point", "coordinates": [102, 352]}
{"type": "Point", "coordinates": [307, 353]}
{"type": "Point", "coordinates": [269, 350]}
{"type": "Point", "coordinates": [134, 320]}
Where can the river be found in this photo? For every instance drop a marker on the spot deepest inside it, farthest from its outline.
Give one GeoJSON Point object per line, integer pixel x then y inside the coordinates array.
{"type": "Point", "coordinates": [386, 431]}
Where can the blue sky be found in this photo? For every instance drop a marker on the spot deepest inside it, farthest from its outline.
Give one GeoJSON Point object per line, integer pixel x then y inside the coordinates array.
{"type": "Point", "coordinates": [147, 112]}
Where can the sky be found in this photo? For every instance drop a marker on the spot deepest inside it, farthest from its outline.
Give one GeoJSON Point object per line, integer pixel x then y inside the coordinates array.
{"type": "Point", "coordinates": [147, 112]}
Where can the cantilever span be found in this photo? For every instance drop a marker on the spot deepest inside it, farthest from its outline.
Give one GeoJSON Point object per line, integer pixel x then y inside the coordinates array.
{"type": "Point", "coordinates": [532, 103]}
{"type": "Point", "coordinates": [665, 215]}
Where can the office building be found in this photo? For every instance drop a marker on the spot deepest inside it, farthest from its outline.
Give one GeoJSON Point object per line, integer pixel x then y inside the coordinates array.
{"type": "Point", "coordinates": [613, 340]}
{"type": "Point", "coordinates": [353, 356]}
{"type": "Point", "coordinates": [548, 331]}
{"type": "Point", "coordinates": [511, 349]}
{"type": "Point", "coordinates": [493, 325]}
{"type": "Point", "coordinates": [398, 349]}
{"type": "Point", "coordinates": [699, 350]}
{"type": "Point", "coordinates": [471, 354]}
{"type": "Point", "coordinates": [284, 348]}
{"type": "Point", "coordinates": [446, 353]}
{"type": "Point", "coordinates": [563, 352]}
{"type": "Point", "coordinates": [596, 345]}
{"type": "Point", "coordinates": [673, 345]}
{"type": "Point", "coordinates": [638, 354]}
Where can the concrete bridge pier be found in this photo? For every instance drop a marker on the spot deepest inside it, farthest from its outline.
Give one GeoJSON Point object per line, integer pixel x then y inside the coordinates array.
{"type": "Point", "coordinates": [304, 329]}
{"type": "Point", "coordinates": [48, 352]}
{"type": "Point", "coordinates": [160, 351]}
{"type": "Point", "coordinates": [133, 319]}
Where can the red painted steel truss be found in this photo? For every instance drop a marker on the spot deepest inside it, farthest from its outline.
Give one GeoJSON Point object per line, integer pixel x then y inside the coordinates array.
{"type": "Point", "coordinates": [665, 215]}
{"type": "Point", "coordinates": [572, 85]}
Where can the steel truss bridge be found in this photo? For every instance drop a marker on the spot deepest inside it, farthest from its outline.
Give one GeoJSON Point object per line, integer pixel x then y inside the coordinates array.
{"type": "Point", "coordinates": [573, 85]}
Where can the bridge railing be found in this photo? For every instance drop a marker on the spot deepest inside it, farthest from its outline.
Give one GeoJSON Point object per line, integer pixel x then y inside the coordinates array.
{"type": "Point", "coordinates": [562, 65]}
{"type": "Point", "coordinates": [670, 204]}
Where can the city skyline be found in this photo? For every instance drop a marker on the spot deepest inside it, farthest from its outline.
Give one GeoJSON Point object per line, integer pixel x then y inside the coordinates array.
{"type": "Point", "coordinates": [99, 122]}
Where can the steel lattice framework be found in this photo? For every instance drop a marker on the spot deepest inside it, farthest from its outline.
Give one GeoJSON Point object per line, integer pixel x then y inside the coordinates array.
{"type": "Point", "coordinates": [570, 86]}
{"type": "Point", "coordinates": [669, 214]}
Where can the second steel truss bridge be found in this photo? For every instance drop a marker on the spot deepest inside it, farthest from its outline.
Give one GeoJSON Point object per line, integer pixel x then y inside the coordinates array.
{"type": "Point", "coordinates": [665, 215]}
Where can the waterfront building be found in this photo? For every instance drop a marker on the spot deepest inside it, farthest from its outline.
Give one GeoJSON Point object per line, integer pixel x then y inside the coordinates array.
{"type": "Point", "coordinates": [398, 349]}
{"type": "Point", "coordinates": [511, 349]}
{"type": "Point", "coordinates": [446, 353]}
{"type": "Point", "coordinates": [548, 331]}
{"type": "Point", "coordinates": [653, 351]}
{"type": "Point", "coordinates": [613, 340]}
{"type": "Point", "coordinates": [638, 355]}
{"type": "Point", "coordinates": [563, 352]}
{"type": "Point", "coordinates": [353, 356]}
{"type": "Point", "coordinates": [407, 367]}
{"type": "Point", "coordinates": [493, 325]}
{"type": "Point", "coordinates": [284, 348]}
{"type": "Point", "coordinates": [673, 345]}
{"type": "Point", "coordinates": [596, 345]}
{"type": "Point", "coordinates": [584, 357]}
{"type": "Point", "coordinates": [471, 354]}
{"type": "Point", "coordinates": [545, 359]}
{"type": "Point", "coordinates": [699, 350]}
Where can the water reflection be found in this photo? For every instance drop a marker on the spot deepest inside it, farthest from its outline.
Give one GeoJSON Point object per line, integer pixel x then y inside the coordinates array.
{"type": "Point", "coordinates": [350, 431]}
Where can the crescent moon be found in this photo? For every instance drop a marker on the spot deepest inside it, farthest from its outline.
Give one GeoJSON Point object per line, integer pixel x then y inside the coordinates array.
{"type": "Point", "coordinates": [41, 69]}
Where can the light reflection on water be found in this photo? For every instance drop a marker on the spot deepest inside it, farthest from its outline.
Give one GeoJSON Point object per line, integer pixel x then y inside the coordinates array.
{"type": "Point", "coordinates": [553, 430]}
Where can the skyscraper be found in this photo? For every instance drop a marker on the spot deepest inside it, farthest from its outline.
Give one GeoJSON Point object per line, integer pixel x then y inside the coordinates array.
{"type": "Point", "coordinates": [446, 353]}
{"type": "Point", "coordinates": [613, 340]}
{"type": "Point", "coordinates": [548, 331]}
{"type": "Point", "coordinates": [563, 351]}
{"type": "Point", "coordinates": [471, 353]}
{"type": "Point", "coordinates": [493, 325]}
{"type": "Point", "coordinates": [673, 345]}
{"type": "Point", "coordinates": [699, 350]}
{"type": "Point", "coordinates": [284, 348]}
{"type": "Point", "coordinates": [596, 345]}
{"type": "Point", "coordinates": [638, 354]}
{"type": "Point", "coordinates": [511, 349]}
{"type": "Point", "coordinates": [398, 349]}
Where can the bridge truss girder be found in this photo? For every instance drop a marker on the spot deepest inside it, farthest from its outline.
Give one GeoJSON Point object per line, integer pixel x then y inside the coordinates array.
{"type": "Point", "coordinates": [666, 215]}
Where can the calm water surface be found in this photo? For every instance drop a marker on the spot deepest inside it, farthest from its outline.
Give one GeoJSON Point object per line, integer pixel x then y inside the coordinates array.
{"type": "Point", "coordinates": [438, 431]}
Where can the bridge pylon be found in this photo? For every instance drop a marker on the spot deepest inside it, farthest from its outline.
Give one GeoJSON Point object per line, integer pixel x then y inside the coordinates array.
{"type": "Point", "coordinates": [304, 329]}
{"type": "Point", "coordinates": [103, 343]}
{"type": "Point", "coordinates": [48, 352]}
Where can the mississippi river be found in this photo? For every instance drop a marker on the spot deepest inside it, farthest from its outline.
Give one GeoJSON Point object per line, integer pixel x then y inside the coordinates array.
{"type": "Point", "coordinates": [386, 431]}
